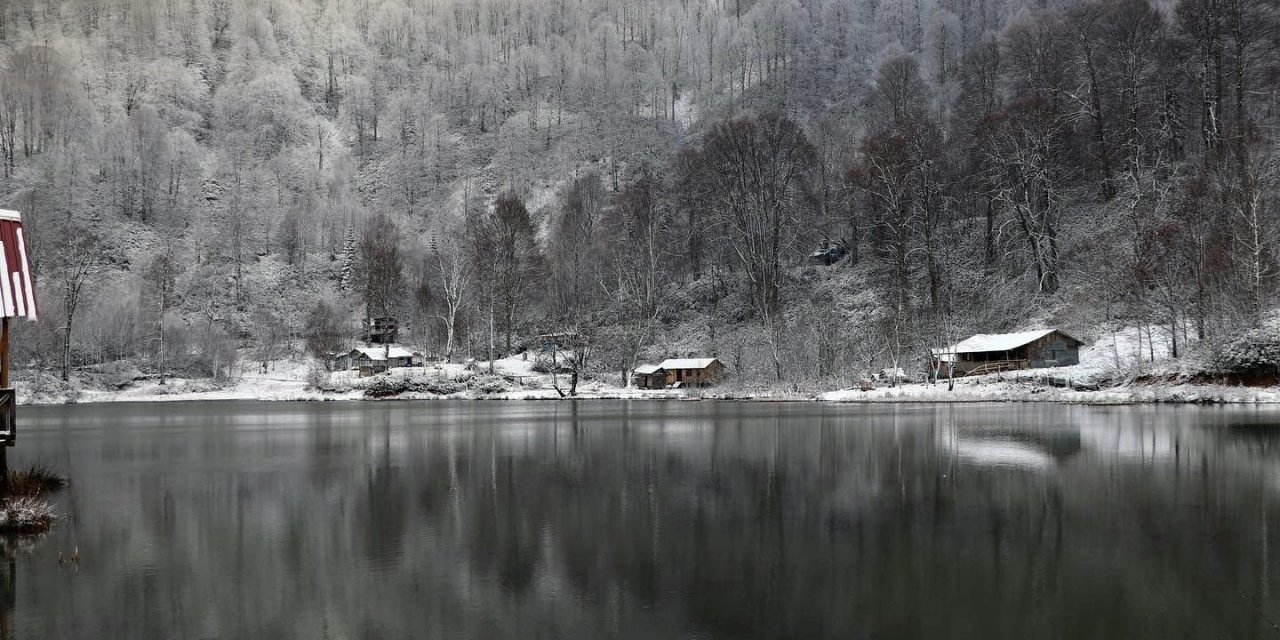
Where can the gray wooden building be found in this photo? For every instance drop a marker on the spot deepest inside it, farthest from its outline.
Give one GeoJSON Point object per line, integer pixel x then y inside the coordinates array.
{"type": "Point", "coordinates": [993, 352]}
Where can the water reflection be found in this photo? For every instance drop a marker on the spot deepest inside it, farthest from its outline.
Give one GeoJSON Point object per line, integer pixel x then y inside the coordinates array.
{"type": "Point", "coordinates": [643, 520]}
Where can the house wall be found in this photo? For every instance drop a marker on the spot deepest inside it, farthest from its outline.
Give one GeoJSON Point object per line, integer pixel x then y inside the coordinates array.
{"type": "Point", "coordinates": [697, 377]}
{"type": "Point", "coordinates": [649, 381]}
{"type": "Point", "coordinates": [1053, 350]}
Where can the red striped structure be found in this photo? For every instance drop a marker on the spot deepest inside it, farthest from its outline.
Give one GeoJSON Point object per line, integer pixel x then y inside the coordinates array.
{"type": "Point", "coordinates": [17, 290]}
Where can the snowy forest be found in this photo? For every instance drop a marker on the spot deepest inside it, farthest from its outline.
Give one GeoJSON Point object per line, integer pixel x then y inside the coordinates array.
{"type": "Point", "coordinates": [213, 182]}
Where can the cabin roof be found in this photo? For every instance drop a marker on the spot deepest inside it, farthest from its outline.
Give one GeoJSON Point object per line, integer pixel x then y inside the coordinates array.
{"type": "Point", "coordinates": [985, 342]}
{"type": "Point", "coordinates": [381, 353]}
{"type": "Point", "coordinates": [17, 289]}
{"type": "Point", "coordinates": [687, 363]}
{"type": "Point", "coordinates": [648, 369]}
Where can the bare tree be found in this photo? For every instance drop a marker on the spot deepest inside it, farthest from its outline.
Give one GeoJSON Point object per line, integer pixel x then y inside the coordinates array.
{"type": "Point", "coordinates": [759, 193]}
{"type": "Point", "coordinates": [381, 267]}
{"type": "Point", "coordinates": [505, 254]}
{"type": "Point", "coordinates": [79, 258]}
{"type": "Point", "coordinates": [453, 277]}
{"type": "Point", "coordinates": [159, 286]}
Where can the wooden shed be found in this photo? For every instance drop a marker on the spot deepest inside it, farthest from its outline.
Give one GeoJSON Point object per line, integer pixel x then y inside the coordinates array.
{"type": "Point", "coordinates": [649, 376]}
{"type": "Point", "coordinates": [990, 353]}
{"type": "Point", "coordinates": [693, 372]}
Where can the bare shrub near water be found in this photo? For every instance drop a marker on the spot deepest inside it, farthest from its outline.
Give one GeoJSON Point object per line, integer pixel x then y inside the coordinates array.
{"type": "Point", "coordinates": [26, 515]}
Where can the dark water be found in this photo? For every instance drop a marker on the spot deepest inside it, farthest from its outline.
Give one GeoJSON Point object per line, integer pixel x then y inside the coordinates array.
{"type": "Point", "coordinates": [653, 520]}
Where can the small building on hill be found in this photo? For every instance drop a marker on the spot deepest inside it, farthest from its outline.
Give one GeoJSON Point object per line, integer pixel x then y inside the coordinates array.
{"type": "Point", "coordinates": [561, 341]}
{"type": "Point", "coordinates": [649, 376]}
{"type": "Point", "coordinates": [381, 330]}
{"type": "Point", "coordinates": [994, 352]}
{"type": "Point", "coordinates": [692, 372]}
{"type": "Point", "coordinates": [371, 360]}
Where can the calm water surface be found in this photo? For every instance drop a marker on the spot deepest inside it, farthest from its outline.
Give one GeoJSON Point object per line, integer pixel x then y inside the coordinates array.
{"type": "Point", "coordinates": [652, 520]}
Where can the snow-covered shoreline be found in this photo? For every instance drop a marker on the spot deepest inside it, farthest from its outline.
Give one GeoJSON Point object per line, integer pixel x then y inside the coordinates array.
{"type": "Point", "coordinates": [1108, 373]}
{"type": "Point", "coordinates": [970, 392]}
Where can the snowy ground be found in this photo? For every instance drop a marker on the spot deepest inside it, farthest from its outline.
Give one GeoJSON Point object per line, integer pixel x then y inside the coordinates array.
{"type": "Point", "coordinates": [1107, 373]}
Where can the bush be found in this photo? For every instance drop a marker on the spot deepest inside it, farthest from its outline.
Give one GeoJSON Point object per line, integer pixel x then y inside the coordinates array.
{"type": "Point", "coordinates": [25, 515]}
{"type": "Point", "coordinates": [543, 363]}
{"type": "Point", "coordinates": [318, 377]}
{"type": "Point", "coordinates": [487, 384]}
{"type": "Point", "coordinates": [386, 386]}
{"type": "Point", "coordinates": [1255, 352]}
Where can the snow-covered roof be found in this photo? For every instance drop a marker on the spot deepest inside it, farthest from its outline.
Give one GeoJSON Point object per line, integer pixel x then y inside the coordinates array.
{"type": "Point", "coordinates": [984, 342]}
{"type": "Point", "coordinates": [381, 353]}
{"type": "Point", "coordinates": [5, 214]}
{"type": "Point", "coordinates": [686, 363]}
{"type": "Point", "coordinates": [647, 369]}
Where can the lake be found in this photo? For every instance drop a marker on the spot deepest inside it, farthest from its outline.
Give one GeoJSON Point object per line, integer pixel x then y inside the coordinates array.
{"type": "Point", "coordinates": [607, 519]}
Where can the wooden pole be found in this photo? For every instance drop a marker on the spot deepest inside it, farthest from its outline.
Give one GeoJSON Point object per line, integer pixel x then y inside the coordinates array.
{"type": "Point", "coordinates": [4, 354]}
{"type": "Point", "coordinates": [4, 384]}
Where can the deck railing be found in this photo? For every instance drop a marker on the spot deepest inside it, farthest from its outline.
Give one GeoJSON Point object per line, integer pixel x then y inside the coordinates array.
{"type": "Point", "coordinates": [997, 366]}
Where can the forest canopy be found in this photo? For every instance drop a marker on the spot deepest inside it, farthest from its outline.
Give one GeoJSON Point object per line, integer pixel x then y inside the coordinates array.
{"type": "Point", "coordinates": [201, 177]}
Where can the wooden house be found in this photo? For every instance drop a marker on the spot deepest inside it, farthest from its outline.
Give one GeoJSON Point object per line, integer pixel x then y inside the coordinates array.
{"type": "Point", "coordinates": [371, 360]}
{"type": "Point", "coordinates": [990, 353]}
{"type": "Point", "coordinates": [692, 372]}
{"type": "Point", "coordinates": [381, 330]}
{"type": "Point", "coordinates": [649, 376]}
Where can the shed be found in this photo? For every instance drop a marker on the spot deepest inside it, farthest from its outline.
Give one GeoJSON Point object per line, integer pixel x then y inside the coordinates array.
{"type": "Point", "coordinates": [693, 372]}
{"type": "Point", "coordinates": [649, 376]}
{"type": "Point", "coordinates": [371, 360]}
{"type": "Point", "coordinates": [992, 352]}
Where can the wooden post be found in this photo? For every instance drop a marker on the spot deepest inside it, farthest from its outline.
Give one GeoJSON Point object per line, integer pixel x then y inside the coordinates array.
{"type": "Point", "coordinates": [4, 384]}
{"type": "Point", "coordinates": [4, 354]}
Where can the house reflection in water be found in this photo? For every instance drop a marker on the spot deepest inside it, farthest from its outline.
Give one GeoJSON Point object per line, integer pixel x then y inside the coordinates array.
{"type": "Point", "coordinates": [1010, 446]}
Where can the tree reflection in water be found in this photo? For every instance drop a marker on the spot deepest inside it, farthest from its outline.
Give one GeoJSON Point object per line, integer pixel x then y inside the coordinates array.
{"type": "Point", "coordinates": [641, 520]}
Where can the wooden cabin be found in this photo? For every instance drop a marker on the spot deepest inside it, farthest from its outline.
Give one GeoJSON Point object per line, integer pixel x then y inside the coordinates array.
{"type": "Point", "coordinates": [692, 372]}
{"type": "Point", "coordinates": [649, 376]}
{"type": "Point", "coordinates": [994, 352]}
{"type": "Point", "coordinates": [381, 330]}
{"type": "Point", "coordinates": [371, 360]}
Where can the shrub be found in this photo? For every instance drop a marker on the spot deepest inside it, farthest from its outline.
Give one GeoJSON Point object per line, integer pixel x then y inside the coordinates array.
{"type": "Point", "coordinates": [1257, 351]}
{"type": "Point", "coordinates": [386, 386]}
{"type": "Point", "coordinates": [25, 515]}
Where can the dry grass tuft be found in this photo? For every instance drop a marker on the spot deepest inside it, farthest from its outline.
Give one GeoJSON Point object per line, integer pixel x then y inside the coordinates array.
{"type": "Point", "coordinates": [35, 480]}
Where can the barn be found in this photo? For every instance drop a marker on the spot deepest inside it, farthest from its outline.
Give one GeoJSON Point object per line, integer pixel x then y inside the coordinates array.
{"type": "Point", "coordinates": [993, 352]}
